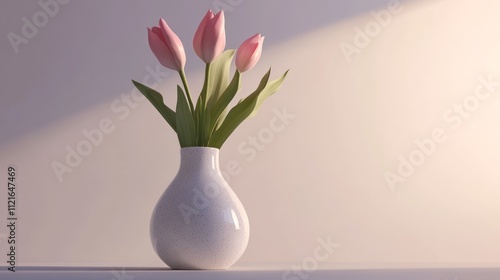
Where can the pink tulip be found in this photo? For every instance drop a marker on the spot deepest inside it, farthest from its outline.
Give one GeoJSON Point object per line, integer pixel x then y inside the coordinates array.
{"type": "Point", "coordinates": [166, 46]}
{"type": "Point", "coordinates": [210, 37]}
{"type": "Point", "coordinates": [249, 53]}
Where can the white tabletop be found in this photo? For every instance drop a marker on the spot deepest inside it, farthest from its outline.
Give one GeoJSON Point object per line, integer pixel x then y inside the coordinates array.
{"type": "Point", "coordinates": [110, 273]}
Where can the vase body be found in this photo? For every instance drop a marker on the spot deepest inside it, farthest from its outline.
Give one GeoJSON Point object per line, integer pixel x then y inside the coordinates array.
{"type": "Point", "coordinates": [199, 222]}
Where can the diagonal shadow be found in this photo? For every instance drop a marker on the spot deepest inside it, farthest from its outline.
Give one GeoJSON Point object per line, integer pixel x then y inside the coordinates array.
{"type": "Point", "coordinates": [89, 51]}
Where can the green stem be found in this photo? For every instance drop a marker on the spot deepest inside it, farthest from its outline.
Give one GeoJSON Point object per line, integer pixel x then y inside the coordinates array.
{"type": "Point", "coordinates": [205, 86]}
{"type": "Point", "coordinates": [203, 107]}
{"type": "Point", "coordinates": [186, 88]}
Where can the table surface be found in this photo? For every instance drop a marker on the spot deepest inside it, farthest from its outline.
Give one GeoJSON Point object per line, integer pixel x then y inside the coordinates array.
{"type": "Point", "coordinates": [246, 272]}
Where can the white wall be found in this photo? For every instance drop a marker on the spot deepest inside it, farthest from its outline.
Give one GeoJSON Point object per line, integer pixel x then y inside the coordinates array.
{"type": "Point", "coordinates": [322, 175]}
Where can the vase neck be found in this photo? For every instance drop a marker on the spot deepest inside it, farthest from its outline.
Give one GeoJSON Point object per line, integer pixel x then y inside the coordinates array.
{"type": "Point", "coordinates": [199, 158]}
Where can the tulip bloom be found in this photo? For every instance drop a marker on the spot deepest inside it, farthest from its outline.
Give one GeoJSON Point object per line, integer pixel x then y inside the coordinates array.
{"type": "Point", "coordinates": [249, 52]}
{"type": "Point", "coordinates": [210, 37]}
{"type": "Point", "coordinates": [166, 46]}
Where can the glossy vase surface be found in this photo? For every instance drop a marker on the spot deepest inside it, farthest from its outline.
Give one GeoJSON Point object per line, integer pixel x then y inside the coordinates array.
{"type": "Point", "coordinates": [199, 222]}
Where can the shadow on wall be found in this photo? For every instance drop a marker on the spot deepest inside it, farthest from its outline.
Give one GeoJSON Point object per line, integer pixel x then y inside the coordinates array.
{"type": "Point", "coordinates": [61, 57]}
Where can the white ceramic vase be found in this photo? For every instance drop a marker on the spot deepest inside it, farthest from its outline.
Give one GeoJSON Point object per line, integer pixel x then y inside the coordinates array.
{"type": "Point", "coordinates": [199, 222]}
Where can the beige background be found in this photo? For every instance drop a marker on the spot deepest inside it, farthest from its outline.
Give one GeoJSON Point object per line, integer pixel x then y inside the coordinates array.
{"type": "Point", "coordinates": [319, 173]}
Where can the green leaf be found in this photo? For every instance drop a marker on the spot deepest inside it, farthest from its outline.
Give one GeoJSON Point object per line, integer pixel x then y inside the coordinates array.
{"type": "Point", "coordinates": [218, 113]}
{"type": "Point", "coordinates": [200, 109]}
{"type": "Point", "coordinates": [186, 128]}
{"type": "Point", "coordinates": [205, 129]}
{"type": "Point", "coordinates": [245, 108]}
{"type": "Point", "coordinates": [218, 77]}
{"type": "Point", "coordinates": [216, 81]}
{"type": "Point", "coordinates": [271, 88]}
{"type": "Point", "coordinates": [157, 100]}
{"type": "Point", "coordinates": [221, 119]}
{"type": "Point", "coordinates": [198, 118]}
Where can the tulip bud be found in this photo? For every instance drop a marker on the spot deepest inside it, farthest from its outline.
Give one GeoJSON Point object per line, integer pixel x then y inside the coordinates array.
{"type": "Point", "coordinates": [249, 53]}
{"type": "Point", "coordinates": [210, 38]}
{"type": "Point", "coordinates": [166, 46]}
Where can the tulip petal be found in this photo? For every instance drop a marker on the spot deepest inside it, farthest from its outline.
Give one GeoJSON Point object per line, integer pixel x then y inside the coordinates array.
{"type": "Point", "coordinates": [249, 53]}
{"type": "Point", "coordinates": [160, 50]}
{"type": "Point", "coordinates": [198, 36]}
{"type": "Point", "coordinates": [156, 30]}
{"type": "Point", "coordinates": [174, 44]}
{"type": "Point", "coordinates": [214, 37]}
